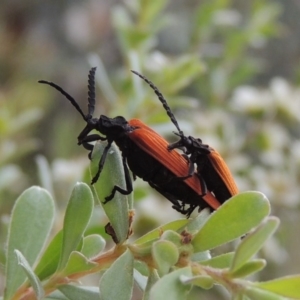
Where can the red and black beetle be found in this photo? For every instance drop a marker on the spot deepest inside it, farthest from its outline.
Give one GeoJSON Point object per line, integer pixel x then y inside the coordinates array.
{"type": "Point", "coordinates": [146, 154]}
{"type": "Point", "coordinates": [211, 167]}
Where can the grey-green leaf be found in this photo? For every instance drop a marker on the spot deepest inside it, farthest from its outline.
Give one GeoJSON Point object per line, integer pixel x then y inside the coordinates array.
{"type": "Point", "coordinates": [56, 295]}
{"type": "Point", "coordinates": [177, 225]}
{"type": "Point", "coordinates": [203, 281]}
{"type": "Point", "coordinates": [77, 263]}
{"type": "Point", "coordinates": [221, 261]}
{"type": "Point", "coordinates": [44, 173]}
{"type": "Point", "coordinates": [201, 256]}
{"type": "Point", "coordinates": [165, 254]}
{"type": "Point", "coordinates": [92, 245]}
{"type": "Point", "coordinates": [31, 222]}
{"type": "Point", "coordinates": [152, 279]}
{"type": "Point", "coordinates": [117, 281]}
{"type": "Point", "coordinates": [33, 279]}
{"type": "Point", "coordinates": [78, 214]}
{"type": "Point", "coordinates": [287, 286]}
{"type": "Point", "coordinates": [249, 267]}
{"type": "Point", "coordinates": [253, 242]}
{"type": "Point", "coordinates": [50, 258]}
{"type": "Point", "coordinates": [234, 218]}
{"type": "Point", "coordinates": [74, 292]}
{"type": "Point", "coordinates": [198, 221]}
{"type": "Point", "coordinates": [170, 286]}
{"type": "Point", "coordinates": [117, 210]}
{"type": "Point", "coordinates": [259, 294]}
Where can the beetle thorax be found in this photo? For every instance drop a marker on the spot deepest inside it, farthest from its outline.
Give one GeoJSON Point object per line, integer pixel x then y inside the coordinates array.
{"type": "Point", "coordinates": [113, 127]}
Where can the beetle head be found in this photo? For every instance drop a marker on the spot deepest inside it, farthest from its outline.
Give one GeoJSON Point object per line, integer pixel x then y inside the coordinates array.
{"type": "Point", "coordinates": [189, 144]}
{"type": "Point", "coordinates": [111, 126]}
{"type": "Point", "coordinates": [197, 145]}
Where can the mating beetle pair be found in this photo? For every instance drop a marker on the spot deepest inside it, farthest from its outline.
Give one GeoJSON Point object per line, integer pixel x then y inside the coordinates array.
{"type": "Point", "coordinates": [150, 157]}
{"type": "Point", "coordinates": [211, 167]}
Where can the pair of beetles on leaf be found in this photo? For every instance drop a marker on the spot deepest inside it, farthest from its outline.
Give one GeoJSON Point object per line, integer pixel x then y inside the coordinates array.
{"type": "Point", "coordinates": [150, 157]}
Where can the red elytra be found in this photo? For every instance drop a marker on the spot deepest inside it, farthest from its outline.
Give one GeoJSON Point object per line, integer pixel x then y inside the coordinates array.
{"type": "Point", "coordinates": [211, 167]}
{"type": "Point", "coordinates": [155, 145]}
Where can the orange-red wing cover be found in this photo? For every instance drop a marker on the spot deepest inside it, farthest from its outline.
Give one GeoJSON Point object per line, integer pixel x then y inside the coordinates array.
{"type": "Point", "coordinates": [222, 169]}
{"type": "Point", "coordinates": [156, 146]}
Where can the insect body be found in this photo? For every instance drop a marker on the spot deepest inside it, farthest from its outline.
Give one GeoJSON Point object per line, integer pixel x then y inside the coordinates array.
{"type": "Point", "coordinates": [211, 167]}
{"type": "Point", "coordinates": [145, 153]}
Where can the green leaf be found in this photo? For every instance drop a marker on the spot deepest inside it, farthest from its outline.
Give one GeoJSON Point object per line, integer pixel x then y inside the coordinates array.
{"type": "Point", "coordinates": [31, 222]}
{"type": "Point", "coordinates": [221, 262]}
{"type": "Point", "coordinates": [92, 245]}
{"type": "Point", "coordinates": [76, 219]}
{"type": "Point", "coordinates": [57, 295]}
{"type": "Point", "coordinates": [117, 281]}
{"type": "Point", "coordinates": [44, 172]}
{"type": "Point", "coordinates": [50, 259]}
{"type": "Point", "coordinates": [234, 218]}
{"type": "Point", "coordinates": [33, 279]}
{"type": "Point", "coordinates": [198, 221]}
{"type": "Point", "coordinates": [152, 279]}
{"type": "Point", "coordinates": [134, 37]}
{"type": "Point", "coordinates": [74, 292]}
{"type": "Point", "coordinates": [117, 210]}
{"type": "Point", "coordinates": [286, 286]}
{"type": "Point", "coordinates": [156, 233]}
{"type": "Point", "coordinates": [253, 242]}
{"type": "Point", "coordinates": [201, 256]}
{"type": "Point", "coordinates": [165, 254]}
{"type": "Point", "coordinates": [172, 236]}
{"type": "Point", "coordinates": [249, 267]}
{"type": "Point", "coordinates": [77, 263]}
{"type": "Point", "coordinates": [150, 10]}
{"type": "Point", "coordinates": [188, 66]}
{"type": "Point", "coordinates": [258, 294]}
{"type": "Point", "coordinates": [170, 286]}
{"type": "Point", "coordinates": [142, 267]}
{"type": "Point", "coordinates": [203, 281]}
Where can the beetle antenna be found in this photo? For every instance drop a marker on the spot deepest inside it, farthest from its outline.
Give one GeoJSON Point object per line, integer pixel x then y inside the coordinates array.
{"type": "Point", "coordinates": [162, 100]}
{"type": "Point", "coordinates": [91, 93]}
{"type": "Point", "coordinates": [68, 96]}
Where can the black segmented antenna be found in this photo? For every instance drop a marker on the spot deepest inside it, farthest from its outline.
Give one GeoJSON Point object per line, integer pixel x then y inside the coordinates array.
{"type": "Point", "coordinates": [162, 100]}
{"type": "Point", "coordinates": [91, 93]}
{"type": "Point", "coordinates": [69, 97]}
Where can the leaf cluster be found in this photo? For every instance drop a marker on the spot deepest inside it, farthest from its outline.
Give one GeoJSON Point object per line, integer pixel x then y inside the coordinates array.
{"type": "Point", "coordinates": [165, 263]}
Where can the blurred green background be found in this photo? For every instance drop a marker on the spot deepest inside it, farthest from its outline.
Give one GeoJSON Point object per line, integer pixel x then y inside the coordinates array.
{"type": "Point", "coordinates": [229, 69]}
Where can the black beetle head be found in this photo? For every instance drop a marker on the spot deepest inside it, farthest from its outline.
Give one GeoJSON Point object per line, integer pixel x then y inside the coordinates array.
{"type": "Point", "coordinates": [111, 126]}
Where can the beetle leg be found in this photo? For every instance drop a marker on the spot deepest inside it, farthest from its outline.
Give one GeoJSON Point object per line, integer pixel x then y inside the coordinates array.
{"type": "Point", "coordinates": [182, 210]}
{"type": "Point", "coordinates": [179, 208]}
{"type": "Point", "coordinates": [189, 211]}
{"type": "Point", "coordinates": [176, 205]}
{"type": "Point", "coordinates": [101, 162]}
{"type": "Point", "coordinates": [176, 145]}
{"type": "Point", "coordinates": [84, 133]}
{"type": "Point", "coordinates": [203, 184]}
{"type": "Point", "coordinates": [89, 147]}
{"type": "Point", "coordinates": [191, 168]}
{"type": "Point", "coordinates": [190, 172]}
{"type": "Point", "coordinates": [90, 138]}
{"type": "Point", "coordinates": [116, 188]}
